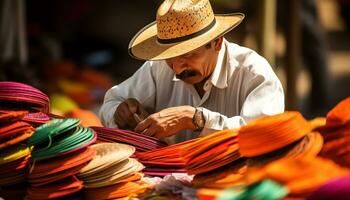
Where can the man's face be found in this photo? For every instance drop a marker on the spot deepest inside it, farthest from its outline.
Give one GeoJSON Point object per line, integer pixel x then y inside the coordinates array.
{"type": "Point", "coordinates": [195, 66]}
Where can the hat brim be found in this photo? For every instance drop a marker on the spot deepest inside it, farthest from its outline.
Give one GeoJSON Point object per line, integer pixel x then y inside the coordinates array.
{"type": "Point", "coordinates": [145, 46]}
{"type": "Point", "coordinates": [308, 146]}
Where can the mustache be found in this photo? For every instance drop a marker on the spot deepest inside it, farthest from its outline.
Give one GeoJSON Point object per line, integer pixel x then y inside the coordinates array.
{"type": "Point", "coordinates": [186, 74]}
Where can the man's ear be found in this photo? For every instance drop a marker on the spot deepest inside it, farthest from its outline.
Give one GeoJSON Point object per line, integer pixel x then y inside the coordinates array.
{"type": "Point", "coordinates": [218, 43]}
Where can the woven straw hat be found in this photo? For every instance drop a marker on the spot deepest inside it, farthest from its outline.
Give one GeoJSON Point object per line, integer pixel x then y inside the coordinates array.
{"type": "Point", "coordinates": [180, 27]}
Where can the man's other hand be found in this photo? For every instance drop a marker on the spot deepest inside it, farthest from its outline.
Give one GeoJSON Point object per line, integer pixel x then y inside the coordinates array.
{"type": "Point", "coordinates": [167, 122]}
{"type": "Point", "coordinates": [124, 115]}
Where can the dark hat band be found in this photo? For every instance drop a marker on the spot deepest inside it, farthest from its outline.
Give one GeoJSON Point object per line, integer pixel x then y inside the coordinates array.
{"type": "Point", "coordinates": [187, 37]}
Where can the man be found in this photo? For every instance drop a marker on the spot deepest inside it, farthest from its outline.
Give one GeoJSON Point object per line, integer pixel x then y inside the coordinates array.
{"type": "Point", "coordinates": [194, 82]}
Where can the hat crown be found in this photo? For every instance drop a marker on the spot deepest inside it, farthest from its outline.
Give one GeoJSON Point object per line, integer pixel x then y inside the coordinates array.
{"type": "Point", "coordinates": [181, 18]}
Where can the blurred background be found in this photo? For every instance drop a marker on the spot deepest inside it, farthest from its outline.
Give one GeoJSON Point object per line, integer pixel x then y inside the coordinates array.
{"type": "Point", "coordinates": [74, 50]}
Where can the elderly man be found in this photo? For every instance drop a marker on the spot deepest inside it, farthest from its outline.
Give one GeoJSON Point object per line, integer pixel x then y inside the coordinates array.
{"type": "Point", "coordinates": [194, 81]}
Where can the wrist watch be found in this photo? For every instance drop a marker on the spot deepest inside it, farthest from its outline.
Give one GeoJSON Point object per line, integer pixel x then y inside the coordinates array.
{"type": "Point", "coordinates": [198, 119]}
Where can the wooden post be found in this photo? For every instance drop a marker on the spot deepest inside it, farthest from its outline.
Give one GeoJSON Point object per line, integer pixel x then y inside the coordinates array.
{"type": "Point", "coordinates": [293, 52]}
{"type": "Point", "coordinates": [267, 30]}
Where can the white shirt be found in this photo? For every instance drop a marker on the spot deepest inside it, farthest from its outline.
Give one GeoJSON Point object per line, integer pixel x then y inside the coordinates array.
{"type": "Point", "coordinates": [242, 87]}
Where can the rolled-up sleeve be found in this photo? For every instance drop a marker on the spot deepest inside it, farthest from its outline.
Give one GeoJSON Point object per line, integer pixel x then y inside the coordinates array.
{"type": "Point", "coordinates": [140, 86]}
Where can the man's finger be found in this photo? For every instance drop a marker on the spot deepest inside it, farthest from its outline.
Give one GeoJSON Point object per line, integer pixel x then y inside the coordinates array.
{"type": "Point", "coordinates": [150, 131]}
{"type": "Point", "coordinates": [128, 116]}
{"type": "Point", "coordinates": [142, 125]}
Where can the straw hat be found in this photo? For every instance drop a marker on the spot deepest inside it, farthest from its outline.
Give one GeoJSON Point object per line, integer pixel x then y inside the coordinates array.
{"type": "Point", "coordinates": [180, 27]}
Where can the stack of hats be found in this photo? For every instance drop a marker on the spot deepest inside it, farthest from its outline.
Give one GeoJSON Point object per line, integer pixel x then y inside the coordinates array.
{"type": "Point", "coordinates": [60, 151]}
{"type": "Point", "coordinates": [301, 176]}
{"type": "Point", "coordinates": [139, 141]}
{"type": "Point", "coordinates": [19, 97]}
{"type": "Point", "coordinates": [13, 164]}
{"type": "Point", "coordinates": [226, 176]}
{"type": "Point", "coordinates": [272, 137]}
{"type": "Point", "coordinates": [164, 161]}
{"type": "Point", "coordinates": [336, 134]}
{"type": "Point", "coordinates": [23, 97]}
{"type": "Point", "coordinates": [112, 173]}
{"type": "Point", "coordinates": [211, 152]}
{"type": "Point", "coordinates": [14, 155]}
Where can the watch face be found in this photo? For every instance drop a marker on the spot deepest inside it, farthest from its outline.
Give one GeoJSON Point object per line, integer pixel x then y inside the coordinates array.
{"type": "Point", "coordinates": [199, 119]}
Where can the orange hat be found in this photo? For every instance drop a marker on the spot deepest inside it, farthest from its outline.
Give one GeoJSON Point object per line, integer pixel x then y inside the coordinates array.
{"type": "Point", "coordinates": [340, 114]}
{"type": "Point", "coordinates": [271, 133]}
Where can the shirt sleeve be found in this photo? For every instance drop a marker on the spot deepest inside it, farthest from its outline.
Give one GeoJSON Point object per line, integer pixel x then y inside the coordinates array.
{"type": "Point", "coordinates": [140, 86]}
{"type": "Point", "coordinates": [263, 94]}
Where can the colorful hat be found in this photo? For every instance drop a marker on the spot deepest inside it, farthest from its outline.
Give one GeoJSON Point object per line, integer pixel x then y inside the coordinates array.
{"type": "Point", "coordinates": [283, 134]}
{"type": "Point", "coordinates": [19, 95]}
{"type": "Point", "coordinates": [107, 155]}
{"type": "Point", "coordinates": [180, 27]}
{"type": "Point", "coordinates": [139, 141]}
{"type": "Point", "coordinates": [46, 171]}
{"type": "Point", "coordinates": [63, 188]}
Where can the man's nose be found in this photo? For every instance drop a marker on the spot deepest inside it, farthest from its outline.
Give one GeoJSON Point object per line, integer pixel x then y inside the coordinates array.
{"type": "Point", "coordinates": [179, 66]}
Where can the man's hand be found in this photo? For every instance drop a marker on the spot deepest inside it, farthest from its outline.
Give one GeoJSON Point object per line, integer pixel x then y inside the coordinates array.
{"type": "Point", "coordinates": [124, 114]}
{"type": "Point", "coordinates": [167, 122]}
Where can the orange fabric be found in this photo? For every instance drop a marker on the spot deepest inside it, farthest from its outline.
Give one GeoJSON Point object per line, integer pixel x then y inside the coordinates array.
{"type": "Point", "coordinates": [270, 133]}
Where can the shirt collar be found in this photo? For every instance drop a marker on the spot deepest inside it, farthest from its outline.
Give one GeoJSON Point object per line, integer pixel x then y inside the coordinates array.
{"type": "Point", "coordinates": [219, 75]}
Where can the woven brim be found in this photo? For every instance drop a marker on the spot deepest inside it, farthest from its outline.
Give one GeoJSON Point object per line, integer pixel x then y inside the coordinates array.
{"type": "Point", "coordinates": [309, 146]}
{"type": "Point", "coordinates": [144, 45]}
